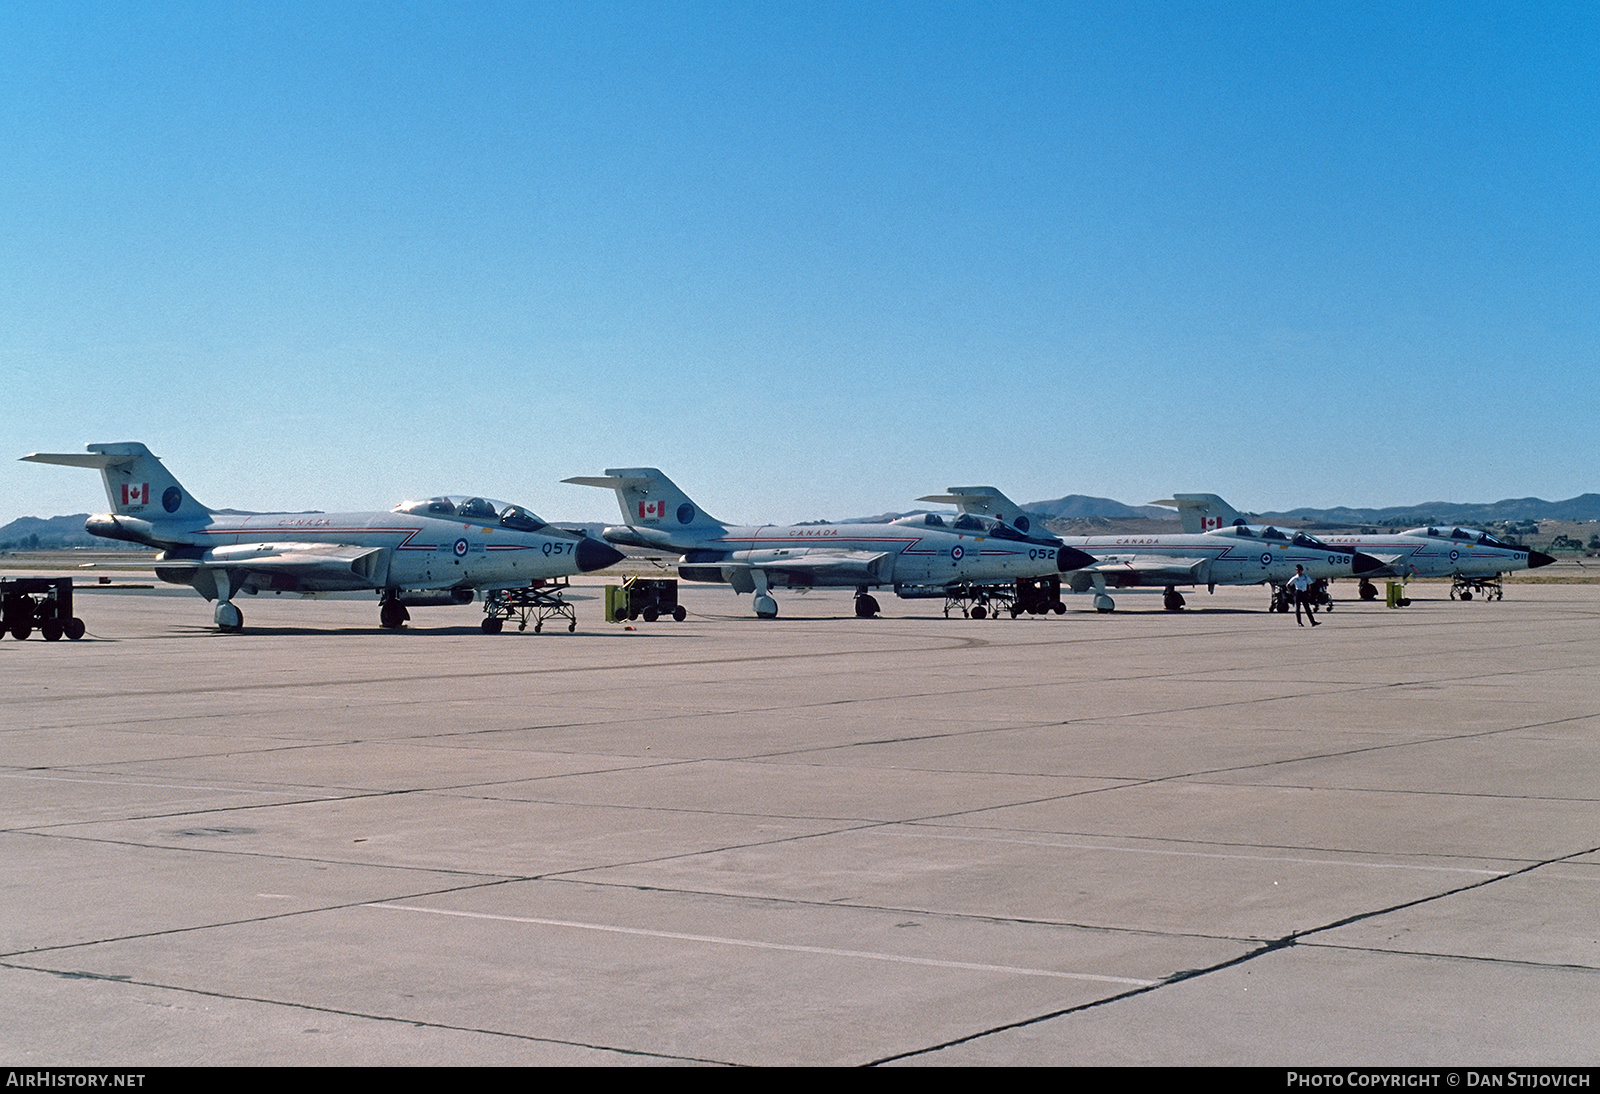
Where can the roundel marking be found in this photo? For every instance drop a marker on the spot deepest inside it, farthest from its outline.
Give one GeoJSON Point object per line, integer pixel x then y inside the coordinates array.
{"type": "Point", "coordinates": [1021, 523]}
{"type": "Point", "coordinates": [957, 551]}
{"type": "Point", "coordinates": [1454, 554]}
{"type": "Point", "coordinates": [171, 498]}
{"type": "Point", "coordinates": [685, 513]}
{"type": "Point", "coordinates": [1266, 558]}
{"type": "Point", "coordinates": [461, 548]}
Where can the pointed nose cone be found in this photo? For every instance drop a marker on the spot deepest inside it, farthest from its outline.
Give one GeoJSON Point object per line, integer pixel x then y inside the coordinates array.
{"type": "Point", "coordinates": [1070, 558]}
{"type": "Point", "coordinates": [592, 554]}
{"type": "Point", "coordinates": [1365, 564]}
{"type": "Point", "coordinates": [1539, 558]}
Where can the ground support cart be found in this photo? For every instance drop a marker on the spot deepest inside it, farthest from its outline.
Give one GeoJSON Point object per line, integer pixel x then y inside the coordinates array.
{"type": "Point", "coordinates": [644, 598]}
{"type": "Point", "coordinates": [539, 600]}
{"type": "Point", "coordinates": [1282, 596]}
{"type": "Point", "coordinates": [1037, 596]}
{"type": "Point", "coordinates": [45, 602]}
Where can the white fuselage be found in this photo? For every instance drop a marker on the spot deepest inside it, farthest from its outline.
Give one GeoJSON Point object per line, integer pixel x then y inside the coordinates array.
{"type": "Point", "coordinates": [847, 555]}
{"type": "Point", "coordinates": [1422, 555]}
{"type": "Point", "coordinates": [1228, 556]}
{"type": "Point", "coordinates": [324, 552]}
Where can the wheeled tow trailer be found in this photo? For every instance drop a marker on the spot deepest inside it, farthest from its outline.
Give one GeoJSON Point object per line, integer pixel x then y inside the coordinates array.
{"type": "Point", "coordinates": [45, 602]}
{"type": "Point", "coordinates": [979, 601]}
{"type": "Point", "coordinates": [539, 601]}
{"type": "Point", "coordinates": [1462, 587]}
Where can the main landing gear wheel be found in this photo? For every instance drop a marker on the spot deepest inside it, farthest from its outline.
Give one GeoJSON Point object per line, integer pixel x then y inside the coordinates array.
{"type": "Point", "coordinates": [228, 616]}
{"type": "Point", "coordinates": [492, 625]}
{"type": "Point", "coordinates": [866, 606]}
{"type": "Point", "coordinates": [1173, 600]}
{"type": "Point", "coordinates": [1104, 604]}
{"type": "Point", "coordinates": [766, 607]}
{"type": "Point", "coordinates": [392, 615]}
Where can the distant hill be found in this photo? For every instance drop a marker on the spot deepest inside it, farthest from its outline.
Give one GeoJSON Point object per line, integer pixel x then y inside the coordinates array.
{"type": "Point", "coordinates": [1582, 507]}
{"type": "Point", "coordinates": [1082, 507]}
{"type": "Point", "coordinates": [35, 533]}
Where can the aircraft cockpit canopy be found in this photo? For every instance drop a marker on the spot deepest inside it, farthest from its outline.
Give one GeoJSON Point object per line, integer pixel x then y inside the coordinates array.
{"type": "Point", "coordinates": [1276, 535]}
{"type": "Point", "coordinates": [1474, 535]}
{"type": "Point", "coordinates": [471, 510]}
{"type": "Point", "coordinates": [971, 524]}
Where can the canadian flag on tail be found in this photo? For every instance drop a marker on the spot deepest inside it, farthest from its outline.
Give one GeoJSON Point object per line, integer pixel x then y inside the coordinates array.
{"type": "Point", "coordinates": [136, 495]}
{"type": "Point", "coordinates": [656, 509]}
{"type": "Point", "coordinates": [1210, 524]}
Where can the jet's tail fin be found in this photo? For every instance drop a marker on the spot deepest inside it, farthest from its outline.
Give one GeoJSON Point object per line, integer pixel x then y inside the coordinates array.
{"type": "Point", "coordinates": [650, 499]}
{"type": "Point", "coordinates": [985, 501]}
{"type": "Point", "coordinates": [1202, 512]}
{"type": "Point", "coordinates": [137, 484]}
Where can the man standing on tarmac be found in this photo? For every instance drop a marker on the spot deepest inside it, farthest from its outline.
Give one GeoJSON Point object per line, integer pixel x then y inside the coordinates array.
{"type": "Point", "coordinates": [1300, 585]}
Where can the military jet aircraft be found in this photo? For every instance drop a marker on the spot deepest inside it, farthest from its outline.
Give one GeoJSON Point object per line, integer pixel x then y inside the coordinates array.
{"type": "Point", "coordinates": [1472, 559]}
{"type": "Point", "coordinates": [439, 551]}
{"type": "Point", "coordinates": [911, 555]}
{"type": "Point", "coordinates": [1236, 555]}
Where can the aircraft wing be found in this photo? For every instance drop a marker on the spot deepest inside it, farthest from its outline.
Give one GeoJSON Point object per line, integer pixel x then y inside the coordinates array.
{"type": "Point", "coordinates": [301, 567]}
{"type": "Point", "coordinates": [814, 566]}
{"type": "Point", "coordinates": [1392, 566]}
{"type": "Point", "coordinates": [1148, 570]}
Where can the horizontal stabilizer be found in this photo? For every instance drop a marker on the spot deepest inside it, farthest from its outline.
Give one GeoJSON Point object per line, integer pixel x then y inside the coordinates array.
{"type": "Point", "coordinates": [97, 460]}
{"type": "Point", "coordinates": [609, 482]}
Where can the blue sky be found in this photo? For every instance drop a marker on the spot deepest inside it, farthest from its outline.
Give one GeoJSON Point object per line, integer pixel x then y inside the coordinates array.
{"type": "Point", "coordinates": [809, 259]}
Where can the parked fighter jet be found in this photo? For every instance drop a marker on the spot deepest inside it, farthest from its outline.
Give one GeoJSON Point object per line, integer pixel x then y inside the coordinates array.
{"type": "Point", "coordinates": [438, 551]}
{"type": "Point", "coordinates": [1472, 559]}
{"type": "Point", "coordinates": [911, 554]}
{"type": "Point", "coordinates": [1236, 555]}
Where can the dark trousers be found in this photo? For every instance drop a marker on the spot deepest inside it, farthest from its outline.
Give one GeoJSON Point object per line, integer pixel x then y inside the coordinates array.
{"type": "Point", "coordinates": [1303, 598]}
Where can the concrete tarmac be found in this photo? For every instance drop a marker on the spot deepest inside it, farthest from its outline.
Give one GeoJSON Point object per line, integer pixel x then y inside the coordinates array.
{"type": "Point", "coordinates": [1210, 837]}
